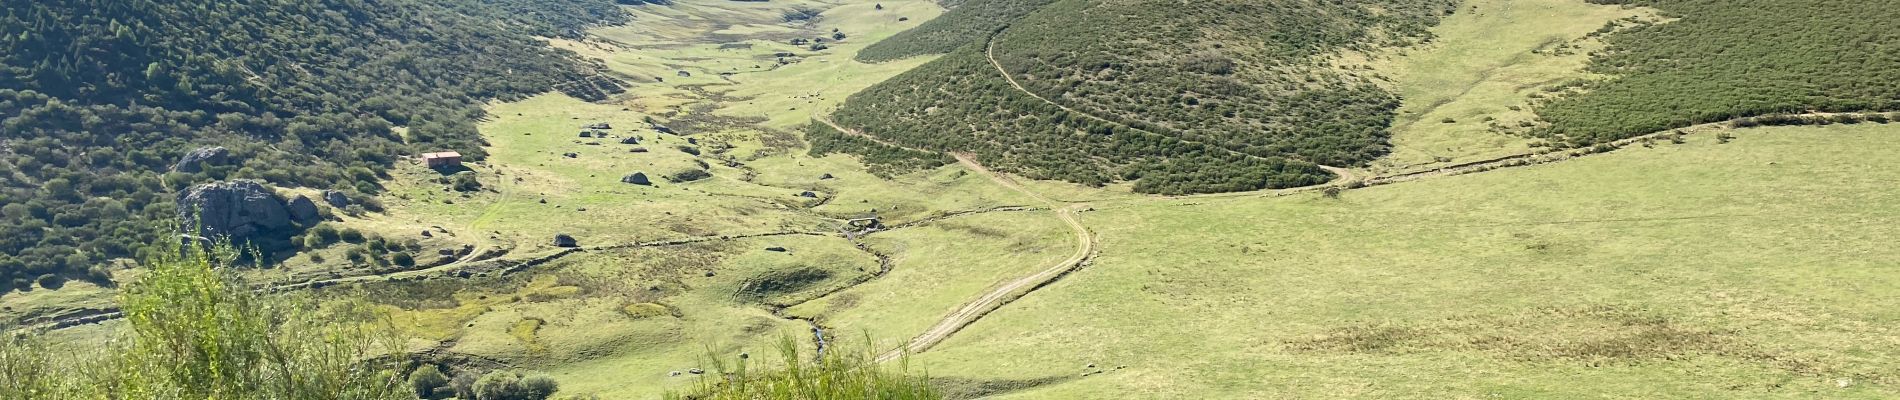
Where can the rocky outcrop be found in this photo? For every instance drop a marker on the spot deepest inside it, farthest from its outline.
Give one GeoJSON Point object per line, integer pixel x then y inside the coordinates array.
{"type": "Point", "coordinates": [196, 160]}
{"type": "Point", "coordinates": [303, 210]}
{"type": "Point", "coordinates": [233, 210]}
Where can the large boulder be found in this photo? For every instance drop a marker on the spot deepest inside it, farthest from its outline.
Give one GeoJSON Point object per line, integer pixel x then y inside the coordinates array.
{"type": "Point", "coordinates": [196, 160]}
{"type": "Point", "coordinates": [565, 240]}
{"type": "Point", "coordinates": [336, 199]}
{"type": "Point", "coordinates": [637, 178]}
{"type": "Point", "coordinates": [303, 210]}
{"type": "Point", "coordinates": [234, 209]}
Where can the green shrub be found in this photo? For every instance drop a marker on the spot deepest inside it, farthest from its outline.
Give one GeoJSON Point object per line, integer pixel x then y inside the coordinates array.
{"type": "Point", "coordinates": [836, 374]}
{"type": "Point", "coordinates": [352, 235]}
{"type": "Point", "coordinates": [512, 385]}
{"type": "Point", "coordinates": [194, 330]}
{"type": "Point", "coordinates": [425, 380]}
{"type": "Point", "coordinates": [465, 182]}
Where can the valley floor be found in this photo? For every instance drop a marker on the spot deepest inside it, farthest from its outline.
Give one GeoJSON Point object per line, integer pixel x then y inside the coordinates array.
{"type": "Point", "coordinates": [1752, 263]}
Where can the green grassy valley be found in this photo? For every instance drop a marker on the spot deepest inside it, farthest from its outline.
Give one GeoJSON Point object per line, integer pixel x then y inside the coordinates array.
{"type": "Point", "coordinates": [917, 199]}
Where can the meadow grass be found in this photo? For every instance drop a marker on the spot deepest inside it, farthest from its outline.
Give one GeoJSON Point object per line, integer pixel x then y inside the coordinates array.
{"type": "Point", "coordinates": [836, 373]}
{"type": "Point", "coordinates": [1486, 59]}
{"type": "Point", "coordinates": [1760, 268]}
{"type": "Point", "coordinates": [939, 267]}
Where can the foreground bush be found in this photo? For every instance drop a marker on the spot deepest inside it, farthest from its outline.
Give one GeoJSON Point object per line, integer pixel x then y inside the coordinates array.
{"type": "Point", "coordinates": [836, 375]}
{"type": "Point", "coordinates": [194, 331]}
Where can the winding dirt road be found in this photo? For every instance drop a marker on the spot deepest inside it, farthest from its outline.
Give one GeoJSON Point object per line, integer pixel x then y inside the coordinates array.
{"type": "Point", "coordinates": [1012, 290]}
{"type": "Point", "coordinates": [1008, 292]}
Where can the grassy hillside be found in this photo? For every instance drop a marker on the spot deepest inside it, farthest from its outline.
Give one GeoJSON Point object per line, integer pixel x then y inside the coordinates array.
{"type": "Point", "coordinates": [1465, 95]}
{"type": "Point", "coordinates": [1752, 269]}
{"type": "Point", "coordinates": [99, 99]}
{"type": "Point", "coordinates": [1178, 98]}
{"type": "Point", "coordinates": [1716, 60]}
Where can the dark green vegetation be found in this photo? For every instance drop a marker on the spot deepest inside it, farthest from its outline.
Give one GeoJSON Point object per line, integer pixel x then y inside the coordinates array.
{"type": "Point", "coordinates": [1717, 60]}
{"type": "Point", "coordinates": [835, 374]}
{"type": "Point", "coordinates": [967, 22]}
{"type": "Point", "coordinates": [1178, 97]}
{"type": "Point", "coordinates": [194, 331]}
{"type": "Point", "coordinates": [879, 159]}
{"type": "Point", "coordinates": [98, 99]}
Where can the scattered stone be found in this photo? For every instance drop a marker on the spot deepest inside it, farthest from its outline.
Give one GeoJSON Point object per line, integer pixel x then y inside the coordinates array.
{"type": "Point", "coordinates": [544, 201]}
{"type": "Point", "coordinates": [808, 195]}
{"type": "Point", "coordinates": [233, 209]}
{"type": "Point", "coordinates": [709, 274]}
{"type": "Point", "coordinates": [696, 371]}
{"type": "Point", "coordinates": [684, 74]}
{"type": "Point", "coordinates": [571, 155]}
{"type": "Point", "coordinates": [637, 150]}
{"type": "Point", "coordinates": [565, 240]}
{"type": "Point", "coordinates": [599, 125]}
{"type": "Point", "coordinates": [776, 248]}
{"type": "Point", "coordinates": [902, 19]}
{"type": "Point", "coordinates": [587, 134]}
{"type": "Point", "coordinates": [826, 176]}
{"type": "Point", "coordinates": [637, 178]}
{"type": "Point", "coordinates": [427, 234]}
{"type": "Point", "coordinates": [692, 140]}
{"type": "Point", "coordinates": [674, 373]}
{"type": "Point", "coordinates": [630, 140]}
{"type": "Point", "coordinates": [196, 160]}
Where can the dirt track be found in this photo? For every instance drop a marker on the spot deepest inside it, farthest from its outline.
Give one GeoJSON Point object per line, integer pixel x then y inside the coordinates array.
{"type": "Point", "coordinates": [1007, 292]}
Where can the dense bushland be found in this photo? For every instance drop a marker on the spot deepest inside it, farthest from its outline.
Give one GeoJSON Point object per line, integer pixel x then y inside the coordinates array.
{"type": "Point", "coordinates": [98, 98]}
{"type": "Point", "coordinates": [1716, 60]}
{"type": "Point", "coordinates": [879, 159]}
{"type": "Point", "coordinates": [959, 103]}
{"type": "Point", "coordinates": [967, 22]}
{"type": "Point", "coordinates": [1251, 76]}
{"type": "Point", "coordinates": [194, 331]}
{"type": "Point", "coordinates": [1199, 96]}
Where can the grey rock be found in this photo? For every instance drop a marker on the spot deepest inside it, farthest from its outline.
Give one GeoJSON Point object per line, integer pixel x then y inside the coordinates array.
{"type": "Point", "coordinates": [630, 140]}
{"type": "Point", "coordinates": [303, 210]}
{"type": "Point", "coordinates": [196, 160]}
{"type": "Point", "coordinates": [234, 209]}
{"type": "Point", "coordinates": [565, 240]}
{"type": "Point", "coordinates": [637, 178]}
{"type": "Point", "coordinates": [336, 199]}
{"type": "Point", "coordinates": [808, 195]}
